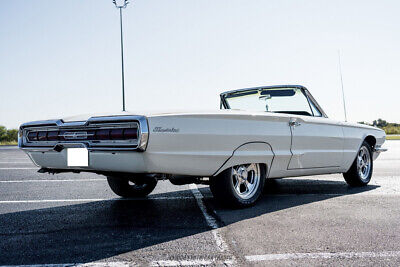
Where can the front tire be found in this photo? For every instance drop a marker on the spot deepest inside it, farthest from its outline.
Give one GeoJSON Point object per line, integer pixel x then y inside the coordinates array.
{"type": "Point", "coordinates": [360, 172]}
{"type": "Point", "coordinates": [137, 186]}
{"type": "Point", "coordinates": [239, 186]}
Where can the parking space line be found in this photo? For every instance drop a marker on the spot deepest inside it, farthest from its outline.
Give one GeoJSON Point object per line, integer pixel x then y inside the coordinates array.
{"type": "Point", "coordinates": [16, 162]}
{"type": "Point", "coordinates": [253, 258]}
{"type": "Point", "coordinates": [17, 158]}
{"type": "Point", "coordinates": [92, 199]}
{"type": "Point", "coordinates": [222, 246]}
{"type": "Point", "coordinates": [19, 168]}
{"type": "Point", "coordinates": [198, 262]}
{"type": "Point", "coordinates": [322, 255]}
{"type": "Point", "coordinates": [212, 222]}
{"type": "Point", "coordinates": [54, 180]}
{"type": "Point", "coordinates": [90, 264]}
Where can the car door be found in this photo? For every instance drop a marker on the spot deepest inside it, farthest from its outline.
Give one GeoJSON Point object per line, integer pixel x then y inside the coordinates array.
{"type": "Point", "coordinates": [317, 142]}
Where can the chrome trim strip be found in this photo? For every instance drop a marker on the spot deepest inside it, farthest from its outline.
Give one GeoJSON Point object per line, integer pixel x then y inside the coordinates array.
{"type": "Point", "coordinates": [312, 99]}
{"type": "Point", "coordinates": [144, 133]}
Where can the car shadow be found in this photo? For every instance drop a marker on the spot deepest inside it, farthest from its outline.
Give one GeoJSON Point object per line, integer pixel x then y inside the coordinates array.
{"type": "Point", "coordinates": [88, 232]}
{"type": "Point", "coordinates": [280, 194]}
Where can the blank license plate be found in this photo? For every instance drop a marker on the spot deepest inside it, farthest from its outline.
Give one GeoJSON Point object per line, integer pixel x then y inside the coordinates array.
{"type": "Point", "coordinates": [77, 157]}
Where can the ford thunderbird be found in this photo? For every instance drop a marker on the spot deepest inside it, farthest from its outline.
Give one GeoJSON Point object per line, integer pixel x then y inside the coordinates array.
{"type": "Point", "coordinates": [258, 133]}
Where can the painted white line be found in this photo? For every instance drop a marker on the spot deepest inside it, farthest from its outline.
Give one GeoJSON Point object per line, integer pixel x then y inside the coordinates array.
{"type": "Point", "coordinates": [107, 264]}
{"type": "Point", "coordinates": [322, 255]}
{"type": "Point", "coordinates": [44, 265]}
{"type": "Point", "coordinates": [19, 168]}
{"type": "Point", "coordinates": [18, 158]}
{"type": "Point", "coordinates": [90, 264]}
{"type": "Point", "coordinates": [15, 162]}
{"type": "Point", "coordinates": [197, 262]}
{"type": "Point", "coordinates": [92, 200]}
{"type": "Point", "coordinates": [53, 180]}
{"type": "Point", "coordinates": [222, 246]}
{"type": "Point", "coordinates": [182, 262]}
{"type": "Point", "coordinates": [52, 200]}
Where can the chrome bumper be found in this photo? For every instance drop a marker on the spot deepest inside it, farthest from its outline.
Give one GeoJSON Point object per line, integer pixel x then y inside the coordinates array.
{"type": "Point", "coordinates": [377, 151]}
{"type": "Point", "coordinates": [105, 161]}
{"type": "Point", "coordinates": [380, 149]}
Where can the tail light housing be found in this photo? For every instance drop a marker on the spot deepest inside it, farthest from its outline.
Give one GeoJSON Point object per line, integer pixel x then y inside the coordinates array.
{"type": "Point", "coordinates": [98, 133]}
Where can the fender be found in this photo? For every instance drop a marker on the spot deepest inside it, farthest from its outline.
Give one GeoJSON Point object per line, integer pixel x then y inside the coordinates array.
{"type": "Point", "coordinates": [251, 152]}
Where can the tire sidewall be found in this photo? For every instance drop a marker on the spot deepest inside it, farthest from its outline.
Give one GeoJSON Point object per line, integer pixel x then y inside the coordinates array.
{"type": "Point", "coordinates": [253, 199]}
{"type": "Point", "coordinates": [121, 187]}
{"type": "Point", "coordinates": [366, 181]}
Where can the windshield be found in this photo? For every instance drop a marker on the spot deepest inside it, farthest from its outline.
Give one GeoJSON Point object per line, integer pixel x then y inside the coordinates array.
{"type": "Point", "coordinates": [279, 100]}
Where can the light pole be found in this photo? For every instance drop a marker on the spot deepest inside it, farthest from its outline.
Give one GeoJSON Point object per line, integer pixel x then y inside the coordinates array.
{"type": "Point", "coordinates": [122, 4]}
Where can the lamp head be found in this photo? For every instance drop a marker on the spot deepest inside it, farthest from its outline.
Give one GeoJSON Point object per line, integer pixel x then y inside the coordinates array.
{"type": "Point", "coordinates": [120, 3]}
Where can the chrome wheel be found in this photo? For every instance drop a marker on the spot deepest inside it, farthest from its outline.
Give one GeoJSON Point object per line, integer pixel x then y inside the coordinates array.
{"type": "Point", "coordinates": [246, 179]}
{"type": "Point", "coordinates": [364, 163]}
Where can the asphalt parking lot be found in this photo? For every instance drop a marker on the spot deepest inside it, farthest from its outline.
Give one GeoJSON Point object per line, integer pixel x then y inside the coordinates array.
{"type": "Point", "coordinates": [76, 219]}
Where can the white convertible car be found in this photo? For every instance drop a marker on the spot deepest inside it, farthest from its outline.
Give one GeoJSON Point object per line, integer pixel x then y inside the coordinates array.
{"type": "Point", "coordinates": [258, 133]}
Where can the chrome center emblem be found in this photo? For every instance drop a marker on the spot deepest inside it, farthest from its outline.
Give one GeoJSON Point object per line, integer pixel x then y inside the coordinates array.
{"type": "Point", "coordinates": [75, 135]}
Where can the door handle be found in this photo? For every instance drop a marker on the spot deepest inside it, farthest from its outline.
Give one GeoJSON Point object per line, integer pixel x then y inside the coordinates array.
{"type": "Point", "coordinates": [294, 123]}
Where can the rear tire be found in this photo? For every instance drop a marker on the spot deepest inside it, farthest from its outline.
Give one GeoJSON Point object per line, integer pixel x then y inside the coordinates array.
{"type": "Point", "coordinates": [360, 172]}
{"type": "Point", "coordinates": [239, 186]}
{"type": "Point", "coordinates": [138, 186]}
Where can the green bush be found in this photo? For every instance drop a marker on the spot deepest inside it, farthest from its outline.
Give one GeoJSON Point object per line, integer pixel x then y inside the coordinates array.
{"type": "Point", "coordinates": [10, 135]}
{"type": "Point", "coordinates": [392, 129]}
{"type": "Point", "coordinates": [388, 127]}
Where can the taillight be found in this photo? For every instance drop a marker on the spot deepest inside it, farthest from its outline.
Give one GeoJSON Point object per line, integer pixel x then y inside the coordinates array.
{"type": "Point", "coordinates": [130, 133]}
{"type": "Point", "coordinates": [42, 136]}
{"type": "Point", "coordinates": [71, 135]}
{"type": "Point", "coordinates": [103, 135]}
{"type": "Point", "coordinates": [91, 135]}
{"type": "Point", "coordinates": [52, 135]}
{"type": "Point", "coordinates": [117, 134]}
{"type": "Point", "coordinates": [32, 136]}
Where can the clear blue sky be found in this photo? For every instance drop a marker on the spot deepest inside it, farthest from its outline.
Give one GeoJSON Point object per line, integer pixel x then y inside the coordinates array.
{"type": "Point", "coordinates": [60, 58]}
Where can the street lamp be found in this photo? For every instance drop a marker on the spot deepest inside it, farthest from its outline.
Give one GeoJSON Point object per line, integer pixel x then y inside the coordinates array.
{"type": "Point", "coordinates": [122, 4]}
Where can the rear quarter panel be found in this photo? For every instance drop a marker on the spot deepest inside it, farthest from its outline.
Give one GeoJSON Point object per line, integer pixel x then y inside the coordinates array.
{"type": "Point", "coordinates": [202, 144]}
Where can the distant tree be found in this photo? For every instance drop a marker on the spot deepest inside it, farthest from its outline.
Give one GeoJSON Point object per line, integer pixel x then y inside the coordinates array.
{"type": "Point", "coordinates": [380, 123]}
{"type": "Point", "coordinates": [3, 133]}
{"type": "Point", "coordinates": [388, 127]}
{"type": "Point", "coordinates": [8, 135]}
{"type": "Point", "coordinates": [12, 135]}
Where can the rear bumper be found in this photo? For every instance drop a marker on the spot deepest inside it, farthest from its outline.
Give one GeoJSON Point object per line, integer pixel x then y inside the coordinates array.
{"type": "Point", "coordinates": [99, 161]}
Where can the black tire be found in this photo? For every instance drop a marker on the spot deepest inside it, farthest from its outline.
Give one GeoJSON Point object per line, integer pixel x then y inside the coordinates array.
{"type": "Point", "coordinates": [356, 177]}
{"type": "Point", "coordinates": [138, 186]}
{"type": "Point", "coordinates": [223, 188]}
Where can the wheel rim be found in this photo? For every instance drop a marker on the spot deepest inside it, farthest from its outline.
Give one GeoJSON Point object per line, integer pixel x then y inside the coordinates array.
{"type": "Point", "coordinates": [136, 185]}
{"type": "Point", "coordinates": [246, 179]}
{"type": "Point", "coordinates": [364, 163]}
